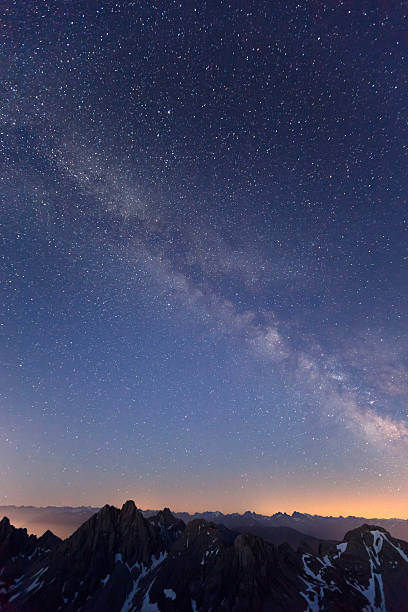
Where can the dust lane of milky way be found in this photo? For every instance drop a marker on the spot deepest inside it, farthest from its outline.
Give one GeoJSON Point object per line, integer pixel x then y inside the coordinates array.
{"type": "Point", "coordinates": [204, 260]}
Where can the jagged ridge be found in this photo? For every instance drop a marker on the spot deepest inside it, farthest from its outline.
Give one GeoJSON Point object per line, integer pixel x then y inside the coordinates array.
{"type": "Point", "coordinates": [119, 560]}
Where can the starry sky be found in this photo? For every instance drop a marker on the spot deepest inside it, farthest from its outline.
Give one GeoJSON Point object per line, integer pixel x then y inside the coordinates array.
{"type": "Point", "coordinates": [203, 257]}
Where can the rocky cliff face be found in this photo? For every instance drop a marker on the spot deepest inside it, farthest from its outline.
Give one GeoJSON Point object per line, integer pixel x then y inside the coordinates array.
{"type": "Point", "coordinates": [14, 542]}
{"type": "Point", "coordinates": [19, 552]}
{"type": "Point", "coordinates": [120, 561]}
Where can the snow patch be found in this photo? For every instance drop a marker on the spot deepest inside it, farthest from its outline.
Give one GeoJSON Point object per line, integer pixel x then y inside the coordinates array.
{"type": "Point", "coordinates": [378, 539]}
{"type": "Point", "coordinates": [14, 597]}
{"type": "Point", "coordinates": [397, 548]}
{"type": "Point", "coordinates": [147, 605]}
{"type": "Point", "coordinates": [316, 587]}
{"type": "Point", "coordinates": [170, 593]}
{"type": "Point", "coordinates": [160, 559]}
{"type": "Point", "coordinates": [34, 586]}
{"type": "Point", "coordinates": [311, 598]}
{"type": "Point", "coordinates": [127, 606]}
{"type": "Point", "coordinates": [374, 591]}
{"type": "Point", "coordinates": [36, 583]}
{"type": "Point", "coordinates": [342, 547]}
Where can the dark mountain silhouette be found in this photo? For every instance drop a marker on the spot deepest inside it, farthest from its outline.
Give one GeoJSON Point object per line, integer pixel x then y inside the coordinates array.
{"type": "Point", "coordinates": [63, 521]}
{"type": "Point", "coordinates": [320, 527]}
{"type": "Point", "coordinates": [120, 560]}
{"type": "Point", "coordinates": [280, 535]}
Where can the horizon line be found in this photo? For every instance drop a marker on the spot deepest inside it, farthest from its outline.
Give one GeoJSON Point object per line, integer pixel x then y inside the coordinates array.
{"type": "Point", "coordinates": [97, 508]}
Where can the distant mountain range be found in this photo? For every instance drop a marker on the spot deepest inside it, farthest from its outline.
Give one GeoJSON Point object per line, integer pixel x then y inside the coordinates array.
{"type": "Point", "coordinates": [64, 520]}
{"type": "Point", "coordinates": [61, 520]}
{"type": "Point", "coordinates": [120, 560]}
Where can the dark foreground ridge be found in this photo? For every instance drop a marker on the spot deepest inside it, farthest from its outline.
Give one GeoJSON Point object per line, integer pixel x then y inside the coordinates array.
{"type": "Point", "coordinates": [119, 560]}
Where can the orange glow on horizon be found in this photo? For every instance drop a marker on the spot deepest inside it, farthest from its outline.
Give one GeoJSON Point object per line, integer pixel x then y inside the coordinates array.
{"type": "Point", "coordinates": [367, 506]}
{"type": "Point", "coordinates": [307, 496]}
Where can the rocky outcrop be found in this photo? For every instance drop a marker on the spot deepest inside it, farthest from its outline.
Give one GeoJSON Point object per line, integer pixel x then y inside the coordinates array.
{"type": "Point", "coordinates": [170, 527]}
{"type": "Point", "coordinates": [107, 553]}
{"type": "Point", "coordinates": [14, 542]}
{"type": "Point", "coordinates": [48, 541]}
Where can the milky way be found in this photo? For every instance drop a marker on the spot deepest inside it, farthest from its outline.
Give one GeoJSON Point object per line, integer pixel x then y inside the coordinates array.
{"type": "Point", "coordinates": [204, 255]}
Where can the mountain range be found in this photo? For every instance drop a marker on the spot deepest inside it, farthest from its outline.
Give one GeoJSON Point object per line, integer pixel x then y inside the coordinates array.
{"type": "Point", "coordinates": [64, 520]}
{"type": "Point", "coordinates": [122, 560]}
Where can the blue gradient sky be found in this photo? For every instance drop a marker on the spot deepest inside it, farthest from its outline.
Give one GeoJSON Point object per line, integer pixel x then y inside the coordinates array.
{"type": "Point", "coordinates": [204, 255]}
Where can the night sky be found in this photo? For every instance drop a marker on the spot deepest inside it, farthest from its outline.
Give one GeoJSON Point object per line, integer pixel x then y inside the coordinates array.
{"type": "Point", "coordinates": [203, 256]}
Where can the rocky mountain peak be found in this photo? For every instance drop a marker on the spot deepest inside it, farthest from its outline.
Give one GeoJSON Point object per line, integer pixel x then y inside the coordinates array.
{"type": "Point", "coordinates": [48, 540]}
{"type": "Point", "coordinates": [15, 541]}
{"type": "Point", "coordinates": [5, 528]}
{"type": "Point", "coordinates": [299, 515]}
{"type": "Point", "coordinates": [129, 507]}
{"type": "Point", "coordinates": [359, 532]}
{"type": "Point", "coordinates": [166, 518]}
